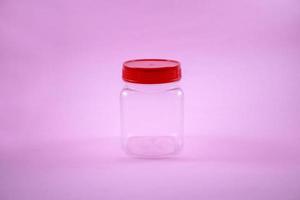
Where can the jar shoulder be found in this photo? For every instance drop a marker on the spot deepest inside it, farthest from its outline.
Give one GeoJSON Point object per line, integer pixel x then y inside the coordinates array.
{"type": "Point", "coordinates": [125, 92]}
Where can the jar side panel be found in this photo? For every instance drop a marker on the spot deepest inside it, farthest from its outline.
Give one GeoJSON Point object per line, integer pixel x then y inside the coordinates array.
{"type": "Point", "coordinates": [152, 124]}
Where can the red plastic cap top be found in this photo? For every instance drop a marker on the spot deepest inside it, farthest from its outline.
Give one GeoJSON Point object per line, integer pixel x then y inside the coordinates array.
{"type": "Point", "coordinates": [151, 71]}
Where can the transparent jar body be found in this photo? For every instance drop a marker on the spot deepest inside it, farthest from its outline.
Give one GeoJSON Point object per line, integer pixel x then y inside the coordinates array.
{"type": "Point", "coordinates": [152, 119]}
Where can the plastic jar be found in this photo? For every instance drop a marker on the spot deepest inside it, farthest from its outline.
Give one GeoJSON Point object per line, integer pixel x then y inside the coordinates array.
{"type": "Point", "coordinates": [152, 108]}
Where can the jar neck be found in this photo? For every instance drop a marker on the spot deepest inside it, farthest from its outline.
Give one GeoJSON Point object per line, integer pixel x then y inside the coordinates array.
{"type": "Point", "coordinates": [152, 87]}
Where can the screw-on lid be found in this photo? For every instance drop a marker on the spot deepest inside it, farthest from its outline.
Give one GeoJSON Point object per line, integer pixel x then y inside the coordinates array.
{"type": "Point", "coordinates": [151, 71]}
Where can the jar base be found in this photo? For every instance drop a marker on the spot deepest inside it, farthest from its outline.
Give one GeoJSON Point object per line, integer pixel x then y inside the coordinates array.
{"type": "Point", "coordinates": [152, 146]}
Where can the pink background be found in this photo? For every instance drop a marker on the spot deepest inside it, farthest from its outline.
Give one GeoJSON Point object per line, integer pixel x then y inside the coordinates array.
{"type": "Point", "coordinates": [60, 77]}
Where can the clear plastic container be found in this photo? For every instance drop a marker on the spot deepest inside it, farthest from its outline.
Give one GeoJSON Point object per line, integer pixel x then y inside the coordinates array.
{"type": "Point", "coordinates": [152, 108]}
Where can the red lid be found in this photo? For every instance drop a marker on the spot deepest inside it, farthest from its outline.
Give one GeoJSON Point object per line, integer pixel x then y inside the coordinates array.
{"type": "Point", "coordinates": [151, 71]}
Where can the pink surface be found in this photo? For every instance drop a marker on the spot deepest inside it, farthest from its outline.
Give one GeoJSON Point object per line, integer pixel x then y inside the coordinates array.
{"type": "Point", "coordinates": [60, 77]}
